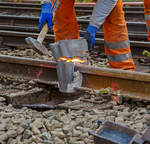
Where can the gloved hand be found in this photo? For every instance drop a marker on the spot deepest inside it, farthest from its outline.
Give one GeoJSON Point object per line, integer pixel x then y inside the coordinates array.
{"type": "Point", "coordinates": [90, 36]}
{"type": "Point", "coordinates": [46, 15]}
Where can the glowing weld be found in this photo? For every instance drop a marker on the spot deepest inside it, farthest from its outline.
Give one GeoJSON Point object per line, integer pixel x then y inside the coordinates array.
{"type": "Point", "coordinates": [74, 60]}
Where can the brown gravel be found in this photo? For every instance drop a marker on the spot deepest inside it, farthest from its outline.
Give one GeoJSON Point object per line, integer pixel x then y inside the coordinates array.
{"type": "Point", "coordinates": [26, 126]}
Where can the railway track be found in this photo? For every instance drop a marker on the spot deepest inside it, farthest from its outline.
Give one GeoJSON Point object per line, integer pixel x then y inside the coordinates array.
{"type": "Point", "coordinates": [31, 21]}
{"type": "Point", "coordinates": [14, 28]}
{"type": "Point", "coordinates": [15, 37]}
{"type": "Point", "coordinates": [34, 9]}
{"type": "Point", "coordinates": [133, 84]}
{"type": "Point", "coordinates": [30, 82]}
{"type": "Point", "coordinates": [127, 7]}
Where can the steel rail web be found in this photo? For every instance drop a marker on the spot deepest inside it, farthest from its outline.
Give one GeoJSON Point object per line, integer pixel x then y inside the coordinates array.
{"type": "Point", "coordinates": [131, 84]}
{"type": "Point", "coordinates": [100, 34]}
{"type": "Point", "coordinates": [76, 4]}
{"type": "Point", "coordinates": [86, 10]}
{"type": "Point", "coordinates": [15, 38]}
{"type": "Point", "coordinates": [34, 21]}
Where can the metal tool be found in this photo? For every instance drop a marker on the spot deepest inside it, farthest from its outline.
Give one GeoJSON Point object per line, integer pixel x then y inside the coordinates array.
{"type": "Point", "coordinates": [64, 52]}
{"type": "Point", "coordinates": [36, 44]}
{"type": "Point", "coordinates": [111, 133]}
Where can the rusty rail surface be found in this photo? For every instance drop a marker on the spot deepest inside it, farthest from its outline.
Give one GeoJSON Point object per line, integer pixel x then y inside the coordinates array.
{"type": "Point", "coordinates": [17, 39]}
{"type": "Point", "coordinates": [131, 84]}
{"type": "Point", "coordinates": [77, 5]}
{"type": "Point", "coordinates": [80, 11]}
{"type": "Point", "coordinates": [100, 34]}
{"type": "Point", "coordinates": [83, 23]}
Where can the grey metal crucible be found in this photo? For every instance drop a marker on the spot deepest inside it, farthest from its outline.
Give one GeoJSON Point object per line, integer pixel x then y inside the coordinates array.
{"type": "Point", "coordinates": [68, 78]}
{"type": "Point", "coordinates": [112, 133]}
{"type": "Point", "coordinates": [70, 49]}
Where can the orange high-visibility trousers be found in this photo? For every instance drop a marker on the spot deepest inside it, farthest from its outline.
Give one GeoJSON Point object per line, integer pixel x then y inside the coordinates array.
{"type": "Point", "coordinates": [115, 33]}
{"type": "Point", "coordinates": [66, 26]}
{"type": "Point", "coordinates": [117, 45]}
{"type": "Point", "coordinates": [147, 16]}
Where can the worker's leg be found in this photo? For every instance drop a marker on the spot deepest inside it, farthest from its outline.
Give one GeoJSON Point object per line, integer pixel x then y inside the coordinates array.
{"type": "Point", "coordinates": [117, 46]}
{"type": "Point", "coordinates": [147, 16]}
{"type": "Point", "coordinates": [66, 26]}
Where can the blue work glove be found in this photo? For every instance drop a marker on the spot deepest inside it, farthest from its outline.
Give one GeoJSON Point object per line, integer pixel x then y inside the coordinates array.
{"type": "Point", "coordinates": [90, 36]}
{"type": "Point", "coordinates": [46, 15]}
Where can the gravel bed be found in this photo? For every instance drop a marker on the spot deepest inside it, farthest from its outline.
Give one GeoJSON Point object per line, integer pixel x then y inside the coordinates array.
{"type": "Point", "coordinates": [27, 126]}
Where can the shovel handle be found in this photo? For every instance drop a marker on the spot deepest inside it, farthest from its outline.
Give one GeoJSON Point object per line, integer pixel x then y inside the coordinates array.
{"type": "Point", "coordinates": [43, 33]}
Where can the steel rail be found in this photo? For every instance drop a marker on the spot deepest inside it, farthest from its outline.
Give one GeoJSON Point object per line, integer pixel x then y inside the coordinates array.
{"type": "Point", "coordinates": [34, 21]}
{"type": "Point", "coordinates": [19, 4]}
{"type": "Point", "coordinates": [131, 84]}
{"type": "Point", "coordinates": [79, 11]}
{"type": "Point", "coordinates": [36, 11]}
{"type": "Point", "coordinates": [124, 3]}
{"type": "Point", "coordinates": [132, 36]}
{"type": "Point", "coordinates": [77, 5]}
{"type": "Point", "coordinates": [17, 39]}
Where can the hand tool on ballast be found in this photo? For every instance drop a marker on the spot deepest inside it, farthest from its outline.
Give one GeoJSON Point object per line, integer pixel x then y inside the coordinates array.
{"type": "Point", "coordinates": [36, 44]}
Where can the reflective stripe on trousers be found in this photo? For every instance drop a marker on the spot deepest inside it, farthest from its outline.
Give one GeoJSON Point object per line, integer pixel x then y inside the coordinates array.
{"type": "Point", "coordinates": [147, 17]}
{"type": "Point", "coordinates": [119, 58]}
{"type": "Point", "coordinates": [116, 46]}
{"type": "Point", "coordinates": [118, 53]}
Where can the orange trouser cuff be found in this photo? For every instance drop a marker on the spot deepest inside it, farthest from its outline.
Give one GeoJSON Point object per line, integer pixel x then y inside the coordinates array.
{"type": "Point", "coordinates": [117, 46]}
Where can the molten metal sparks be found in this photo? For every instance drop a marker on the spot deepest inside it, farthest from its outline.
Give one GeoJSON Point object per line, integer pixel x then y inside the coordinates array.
{"type": "Point", "coordinates": [84, 52]}
{"type": "Point", "coordinates": [74, 60]}
{"type": "Point", "coordinates": [62, 59]}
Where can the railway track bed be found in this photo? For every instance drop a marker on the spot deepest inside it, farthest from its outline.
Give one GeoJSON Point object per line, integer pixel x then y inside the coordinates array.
{"type": "Point", "coordinates": [32, 110]}
{"type": "Point", "coordinates": [69, 122]}
{"type": "Point", "coordinates": [26, 9]}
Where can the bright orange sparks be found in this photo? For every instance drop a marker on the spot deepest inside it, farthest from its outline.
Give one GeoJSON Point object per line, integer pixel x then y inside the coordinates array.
{"type": "Point", "coordinates": [84, 52]}
{"type": "Point", "coordinates": [74, 60]}
{"type": "Point", "coordinates": [62, 59]}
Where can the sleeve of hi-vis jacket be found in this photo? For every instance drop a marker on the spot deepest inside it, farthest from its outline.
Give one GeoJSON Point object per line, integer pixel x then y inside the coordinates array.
{"type": "Point", "coordinates": [101, 10]}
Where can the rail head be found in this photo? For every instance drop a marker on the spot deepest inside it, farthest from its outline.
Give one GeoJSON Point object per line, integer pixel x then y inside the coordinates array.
{"type": "Point", "coordinates": [85, 69]}
{"type": "Point", "coordinates": [131, 84]}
